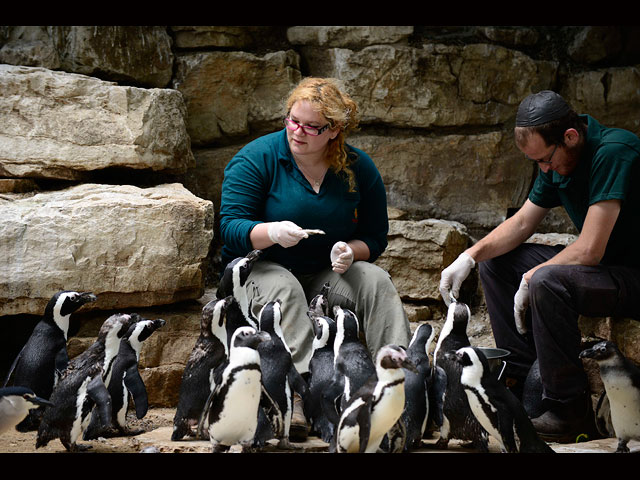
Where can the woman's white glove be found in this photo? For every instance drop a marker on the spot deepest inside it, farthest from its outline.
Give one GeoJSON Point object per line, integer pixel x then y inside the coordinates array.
{"type": "Point", "coordinates": [452, 277]}
{"type": "Point", "coordinates": [341, 257]}
{"type": "Point", "coordinates": [520, 304]}
{"type": "Point", "coordinates": [285, 233]}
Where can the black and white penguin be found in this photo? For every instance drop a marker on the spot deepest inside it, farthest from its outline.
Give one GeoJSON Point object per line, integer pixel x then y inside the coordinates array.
{"type": "Point", "coordinates": [231, 411]}
{"type": "Point", "coordinates": [416, 386]}
{"type": "Point", "coordinates": [352, 360]}
{"type": "Point", "coordinates": [15, 403]}
{"type": "Point", "coordinates": [124, 381]}
{"type": "Point", "coordinates": [81, 387]}
{"type": "Point", "coordinates": [457, 419]}
{"type": "Point", "coordinates": [279, 376]}
{"type": "Point", "coordinates": [44, 357]}
{"type": "Point", "coordinates": [321, 372]}
{"type": "Point", "coordinates": [234, 282]}
{"type": "Point", "coordinates": [376, 406]}
{"type": "Point", "coordinates": [496, 408]}
{"type": "Point", "coordinates": [621, 380]}
{"type": "Point", "coordinates": [209, 352]}
{"type": "Point", "coordinates": [319, 305]}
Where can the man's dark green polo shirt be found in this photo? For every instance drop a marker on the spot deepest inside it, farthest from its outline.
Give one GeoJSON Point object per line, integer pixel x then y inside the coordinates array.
{"type": "Point", "coordinates": [262, 183]}
{"type": "Point", "coordinates": [608, 169]}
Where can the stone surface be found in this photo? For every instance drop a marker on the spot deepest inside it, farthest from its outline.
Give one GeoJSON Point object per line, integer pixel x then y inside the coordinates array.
{"type": "Point", "coordinates": [434, 86]}
{"type": "Point", "coordinates": [347, 36]}
{"type": "Point", "coordinates": [130, 246]}
{"type": "Point", "coordinates": [230, 93]}
{"type": "Point", "coordinates": [417, 253]}
{"type": "Point", "coordinates": [136, 54]}
{"type": "Point", "coordinates": [59, 125]}
{"type": "Point", "coordinates": [471, 179]}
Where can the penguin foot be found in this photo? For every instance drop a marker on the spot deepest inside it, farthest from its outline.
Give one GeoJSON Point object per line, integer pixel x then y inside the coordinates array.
{"type": "Point", "coordinates": [285, 444]}
{"type": "Point", "coordinates": [622, 446]}
{"type": "Point", "coordinates": [441, 444]}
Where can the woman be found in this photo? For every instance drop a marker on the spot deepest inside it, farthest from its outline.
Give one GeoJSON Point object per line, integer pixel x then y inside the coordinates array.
{"type": "Point", "coordinates": [306, 177]}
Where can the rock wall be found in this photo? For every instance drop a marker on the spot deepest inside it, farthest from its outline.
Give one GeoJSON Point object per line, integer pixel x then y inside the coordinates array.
{"type": "Point", "coordinates": [151, 115]}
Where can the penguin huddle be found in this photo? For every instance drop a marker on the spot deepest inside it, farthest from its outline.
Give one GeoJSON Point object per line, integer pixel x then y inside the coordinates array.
{"type": "Point", "coordinates": [239, 381]}
{"type": "Point", "coordinates": [58, 397]}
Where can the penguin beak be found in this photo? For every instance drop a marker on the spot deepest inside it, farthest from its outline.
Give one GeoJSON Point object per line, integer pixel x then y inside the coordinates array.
{"type": "Point", "coordinates": [37, 401]}
{"type": "Point", "coordinates": [253, 255]}
{"type": "Point", "coordinates": [409, 365]}
{"type": "Point", "coordinates": [588, 353]}
{"type": "Point", "coordinates": [87, 297]}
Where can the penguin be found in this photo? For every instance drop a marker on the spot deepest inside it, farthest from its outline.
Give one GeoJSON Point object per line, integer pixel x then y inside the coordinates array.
{"type": "Point", "coordinates": [15, 403]}
{"type": "Point", "coordinates": [44, 357]}
{"type": "Point", "coordinates": [279, 376]}
{"type": "Point", "coordinates": [621, 380]}
{"type": "Point", "coordinates": [351, 357]}
{"type": "Point", "coordinates": [234, 282]}
{"type": "Point", "coordinates": [495, 407]}
{"type": "Point", "coordinates": [353, 364]}
{"type": "Point", "coordinates": [82, 386]}
{"type": "Point", "coordinates": [376, 406]}
{"type": "Point", "coordinates": [321, 372]}
{"type": "Point", "coordinates": [209, 352]}
{"type": "Point", "coordinates": [231, 411]}
{"type": "Point", "coordinates": [125, 381]}
{"type": "Point", "coordinates": [457, 419]}
{"type": "Point", "coordinates": [532, 400]}
{"type": "Point", "coordinates": [319, 305]}
{"type": "Point", "coordinates": [416, 386]}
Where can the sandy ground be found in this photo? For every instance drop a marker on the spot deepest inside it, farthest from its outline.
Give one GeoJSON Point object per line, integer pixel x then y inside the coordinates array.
{"type": "Point", "coordinates": [157, 426]}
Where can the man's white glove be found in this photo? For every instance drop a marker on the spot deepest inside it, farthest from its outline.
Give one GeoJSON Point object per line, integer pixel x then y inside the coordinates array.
{"type": "Point", "coordinates": [285, 233]}
{"type": "Point", "coordinates": [520, 304]}
{"type": "Point", "coordinates": [452, 277]}
{"type": "Point", "coordinates": [341, 257]}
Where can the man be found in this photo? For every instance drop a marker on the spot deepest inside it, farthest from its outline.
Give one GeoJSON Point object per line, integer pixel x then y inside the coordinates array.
{"type": "Point", "coordinates": [535, 293]}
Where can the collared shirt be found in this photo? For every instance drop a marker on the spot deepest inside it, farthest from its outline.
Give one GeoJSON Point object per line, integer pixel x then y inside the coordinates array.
{"type": "Point", "coordinates": [608, 168]}
{"type": "Point", "coordinates": [262, 183]}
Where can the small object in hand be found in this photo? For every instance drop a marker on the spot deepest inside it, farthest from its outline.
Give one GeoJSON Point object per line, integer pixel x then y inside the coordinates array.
{"type": "Point", "coordinates": [313, 232]}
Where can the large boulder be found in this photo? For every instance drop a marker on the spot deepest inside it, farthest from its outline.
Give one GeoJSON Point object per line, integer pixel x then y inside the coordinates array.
{"type": "Point", "coordinates": [417, 253]}
{"type": "Point", "coordinates": [232, 93]}
{"type": "Point", "coordinates": [61, 125]}
{"type": "Point", "coordinates": [436, 85]}
{"type": "Point", "coordinates": [130, 246]}
{"type": "Point", "coordinates": [472, 179]}
{"type": "Point", "coordinates": [139, 55]}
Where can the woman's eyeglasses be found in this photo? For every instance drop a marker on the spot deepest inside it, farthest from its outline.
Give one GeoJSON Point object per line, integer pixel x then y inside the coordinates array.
{"type": "Point", "coordinates": [313, 131]}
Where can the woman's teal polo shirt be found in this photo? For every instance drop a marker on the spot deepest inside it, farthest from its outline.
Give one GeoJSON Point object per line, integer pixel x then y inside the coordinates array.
{"type": "Point", "coordinates": [262, 183]}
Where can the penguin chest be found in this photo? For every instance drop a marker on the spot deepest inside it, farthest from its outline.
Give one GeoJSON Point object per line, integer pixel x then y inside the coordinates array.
{"type": "Point", "coordinates": [385, 413]}
{"type": "Point", "coordinates": [239, 414]}
{"type": "Point", "coordinates": [484, 411]}
{"type": "Point", "coordinates": [82, 410]}
{"type": "Point", "coordinates": [624, 400]}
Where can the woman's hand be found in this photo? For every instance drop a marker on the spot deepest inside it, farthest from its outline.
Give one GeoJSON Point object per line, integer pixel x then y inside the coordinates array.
{"type": "Point", "coordinates": [285, 233]}
{"type": "Point", "coordinates": [341, 257]}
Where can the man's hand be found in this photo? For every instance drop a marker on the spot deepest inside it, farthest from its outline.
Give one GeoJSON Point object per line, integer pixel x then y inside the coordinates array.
{"type": "Point", "coordinates": [520, 305]}
{"type": "Point", "coordinates": [453, 276]}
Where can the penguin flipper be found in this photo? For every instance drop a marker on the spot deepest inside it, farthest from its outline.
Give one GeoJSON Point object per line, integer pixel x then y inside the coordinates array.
{"type": "Point", "coordinates": [97, 391]}
{"type": "Point", "coordinates": [13, 366]}
{"type": "Point", "coordinates": [364, 422]}
{"type": "Point", "coordinates": [134, 383]}
{"type": "Point", "coordinates": [272, 412]}
{"type": "Point", "coordinates": [438, 388]}
{"type": "Point", "coordinates": [61, 360]}
{"type": "Point", "coordinates": [298, 383]}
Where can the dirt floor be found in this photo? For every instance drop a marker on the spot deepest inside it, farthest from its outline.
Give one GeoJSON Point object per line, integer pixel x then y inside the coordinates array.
{"type": "Point", "coordinates": [158, 424]}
